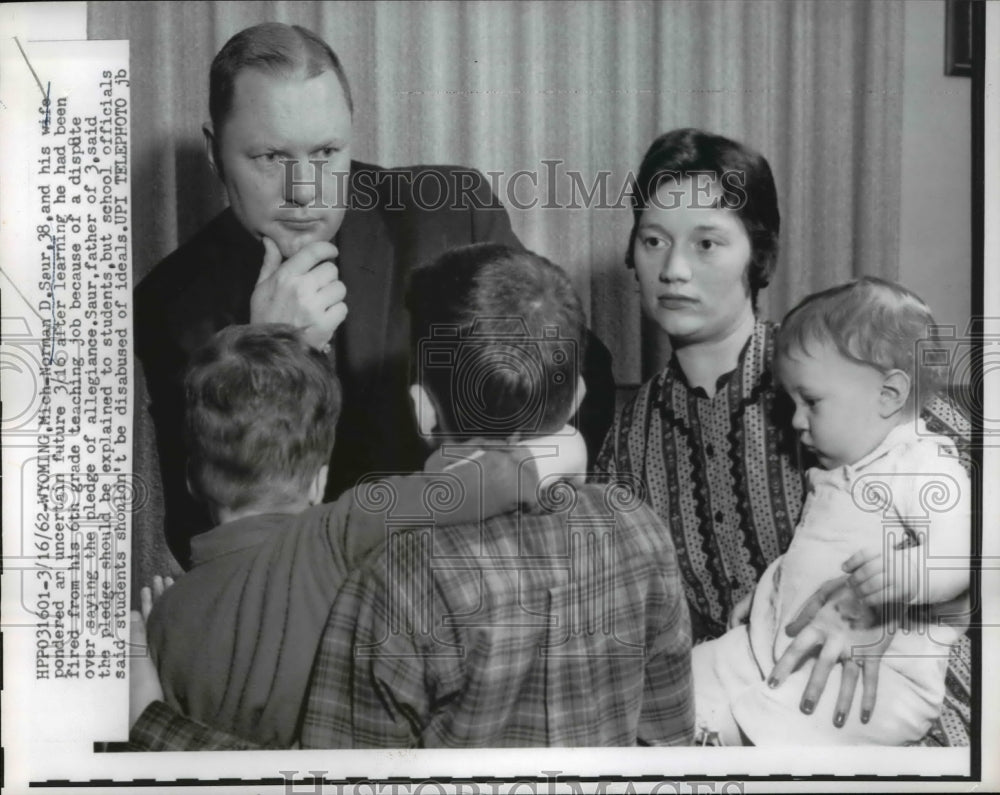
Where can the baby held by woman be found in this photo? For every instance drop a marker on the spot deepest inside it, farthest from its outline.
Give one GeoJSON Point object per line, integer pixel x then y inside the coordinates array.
{"type": "Point", "coordinates": [887, 510]}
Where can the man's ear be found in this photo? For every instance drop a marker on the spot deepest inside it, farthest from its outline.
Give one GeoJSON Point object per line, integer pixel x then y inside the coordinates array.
{"type": "Point", "coordinates": [317, 488]}
{"type": "Point", "coordinates": [423, 407]}
{"type": "Point", "coordinates": [895, 392]}
{"type": "Point", "coordinates": [211, 149]}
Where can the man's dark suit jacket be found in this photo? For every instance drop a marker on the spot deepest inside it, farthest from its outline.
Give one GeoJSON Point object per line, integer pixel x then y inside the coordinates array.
{"type": "Point", "coordinates": [206, 284]}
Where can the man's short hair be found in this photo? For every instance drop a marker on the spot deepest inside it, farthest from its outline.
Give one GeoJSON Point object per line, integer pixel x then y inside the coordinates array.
{"type": "Point", "coordinates": [498, 337]}
{"type": "Point", "coordinates": [744, 177]}
{"type": "Point", "coordinates": [270, 47]}
{"type": "Point", "coordinates": [870, 322]}
{"type": "Point", "coordinates": [261, 412]}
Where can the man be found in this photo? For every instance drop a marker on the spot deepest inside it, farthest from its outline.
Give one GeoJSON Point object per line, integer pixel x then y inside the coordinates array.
{"type": "Point", "coordinates": [565, 626]}
{"type": "Point", "coordinates": [317, 240]}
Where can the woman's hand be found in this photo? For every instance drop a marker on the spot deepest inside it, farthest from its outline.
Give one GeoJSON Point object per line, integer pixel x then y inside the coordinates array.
{"type": "Point", "coordinates": [843, 629]}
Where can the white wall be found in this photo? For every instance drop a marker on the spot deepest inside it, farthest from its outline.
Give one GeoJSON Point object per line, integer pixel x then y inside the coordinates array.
{"type": "Point", "coordinates": [935, 234]}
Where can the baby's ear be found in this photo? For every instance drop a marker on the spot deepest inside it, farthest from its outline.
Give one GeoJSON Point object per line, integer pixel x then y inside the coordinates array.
{"type": "Point", "coordinates": [895, 393]}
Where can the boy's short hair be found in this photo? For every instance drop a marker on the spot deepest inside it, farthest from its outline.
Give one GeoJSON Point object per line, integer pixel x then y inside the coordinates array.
{"type": "Point", "coordinates": [271, 47]}
{"type": "Point", "coordinates": [498, 340]}
{"type": "Point", "coordinates": [747, 188]}
{"type": "Point", "coordinates": [870, 321]}
{"type": "Point", "coordinates": [261, 413]}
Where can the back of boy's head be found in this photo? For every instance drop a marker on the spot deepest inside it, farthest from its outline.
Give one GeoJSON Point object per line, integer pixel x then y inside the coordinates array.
{"type": "Point", "coordinates": [498, 337]}
{"type": "Point", "coordinates": [871, 322]}
{"type": "Point", "coordinates": [261, 412]}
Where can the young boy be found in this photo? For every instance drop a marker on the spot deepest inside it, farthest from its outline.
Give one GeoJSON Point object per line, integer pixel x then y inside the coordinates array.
{"type": "Point", "coordinates": [234, 639]}
{"type": "Point", "coordinates": [888, 506]}
{"type": "Point", "coordinates": [566, 626]}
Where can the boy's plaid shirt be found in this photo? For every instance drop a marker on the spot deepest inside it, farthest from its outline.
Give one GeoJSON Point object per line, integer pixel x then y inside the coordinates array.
{"type": "Point", "coordinates": [566, 628]}
{"type": "Point", "coordinates": [162, 728]}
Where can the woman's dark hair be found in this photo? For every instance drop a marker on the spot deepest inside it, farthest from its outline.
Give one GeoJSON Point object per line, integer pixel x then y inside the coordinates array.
{"type": "Point", "coordinates": [743, 175]}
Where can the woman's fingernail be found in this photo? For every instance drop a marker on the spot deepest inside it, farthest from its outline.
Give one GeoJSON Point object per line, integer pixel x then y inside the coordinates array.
{"type": "Point", "coordinates": [808, 706]}
{"type": "Point", "coordinates": [866, 716]}
{"type": "Point", "coordinates": [772, 683]}
{"type": "Point", "coordinates": [838, 719]}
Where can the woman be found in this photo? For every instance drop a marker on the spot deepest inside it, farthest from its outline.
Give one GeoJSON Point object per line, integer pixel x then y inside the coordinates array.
{"type": "Point", "coordinates": [710, 435]}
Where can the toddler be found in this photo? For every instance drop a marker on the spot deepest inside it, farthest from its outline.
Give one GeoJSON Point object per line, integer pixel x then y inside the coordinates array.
{"type": "Point", "coordinates": [887, 509]}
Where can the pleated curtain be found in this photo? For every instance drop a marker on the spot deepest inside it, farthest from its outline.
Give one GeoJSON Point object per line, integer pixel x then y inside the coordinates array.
{"type": "Point", "coordinates": [554, 87]}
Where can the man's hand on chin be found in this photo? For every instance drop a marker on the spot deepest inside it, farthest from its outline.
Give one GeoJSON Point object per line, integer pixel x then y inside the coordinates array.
{"type": "Point", "coordinates": [303, 290]}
